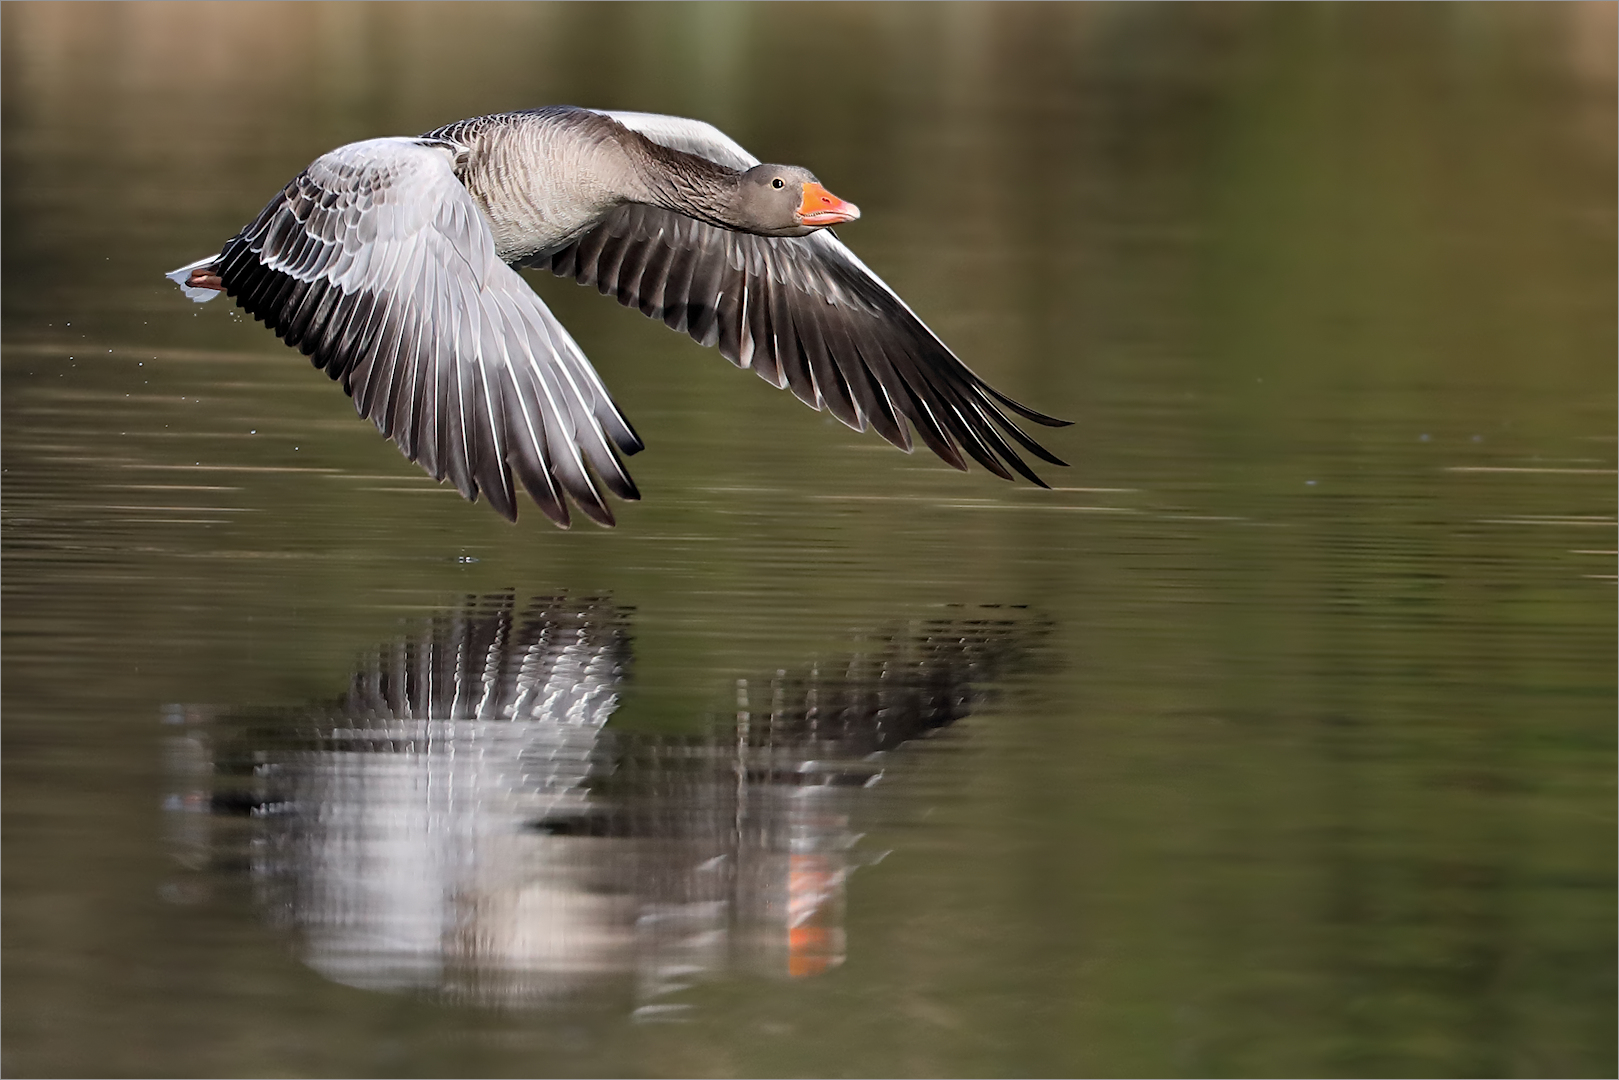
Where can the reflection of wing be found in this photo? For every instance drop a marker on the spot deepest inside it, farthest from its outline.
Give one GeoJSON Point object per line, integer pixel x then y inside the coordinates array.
{"type": "Point", "coordinates": [802, 311]}
{"type": "Point", "coordinates": [556, 663]}
{"type": "Point", "coordinates": [376, 262]}
{"type": "Point", "coordinates": [402, 850]}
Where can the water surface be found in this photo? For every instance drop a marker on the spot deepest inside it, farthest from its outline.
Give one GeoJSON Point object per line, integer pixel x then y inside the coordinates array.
{"type": "Point", "coordinates": [1276, 739]}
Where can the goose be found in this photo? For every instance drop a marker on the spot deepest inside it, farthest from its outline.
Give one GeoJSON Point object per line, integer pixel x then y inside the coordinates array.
{"type": "Point", "coordinates": [393, 264]}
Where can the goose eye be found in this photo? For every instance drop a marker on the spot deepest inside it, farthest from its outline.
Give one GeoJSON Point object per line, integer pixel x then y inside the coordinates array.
{"type": "Point", "coordinates": [777, 182]}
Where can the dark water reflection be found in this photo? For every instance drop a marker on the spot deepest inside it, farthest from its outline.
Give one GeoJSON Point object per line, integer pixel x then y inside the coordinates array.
{"type": "Point", "coordinates": [464, 822]}
{"type": "Point", "coordinates": [1318, 779]}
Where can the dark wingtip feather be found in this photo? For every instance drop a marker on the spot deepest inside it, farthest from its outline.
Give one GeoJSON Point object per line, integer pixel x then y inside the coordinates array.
{"type": "Point", "coordinates": [1022, 437]}
{"type": "Point", "coordinates": [599, 512]}
{"type": "Point", "coordinates": [501, 499]}
{"type": "Point", "coordinates": [555, 509]}
{"type": "Point", "coordinates": [620, 482]}
{"type": "Point", "coordinates": [628, 440]}
{"type": "Point", "coordinates": [1023, 410]}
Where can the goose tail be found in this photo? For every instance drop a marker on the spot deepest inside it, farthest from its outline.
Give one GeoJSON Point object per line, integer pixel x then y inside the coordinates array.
{"type": "Point", "coordinates": [183, 274]}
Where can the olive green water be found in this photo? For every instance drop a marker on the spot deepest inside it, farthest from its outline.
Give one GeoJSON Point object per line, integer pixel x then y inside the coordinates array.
{"type": "Point", "coordinates": [1276, 740]}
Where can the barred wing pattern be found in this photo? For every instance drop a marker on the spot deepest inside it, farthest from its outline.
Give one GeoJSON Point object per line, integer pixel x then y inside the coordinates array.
{"type": "Point", "coordinates": [376, 263]}
{"type": "Point", "coordinates": [804, 312]}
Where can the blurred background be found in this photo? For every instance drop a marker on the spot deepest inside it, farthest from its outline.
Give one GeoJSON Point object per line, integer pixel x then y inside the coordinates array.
{"type": "Point", "coordinates": [1277, 739]}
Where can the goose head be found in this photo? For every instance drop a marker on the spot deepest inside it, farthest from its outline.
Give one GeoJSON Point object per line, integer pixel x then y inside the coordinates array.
{"type": "Point", "coordinates": [785, 200]}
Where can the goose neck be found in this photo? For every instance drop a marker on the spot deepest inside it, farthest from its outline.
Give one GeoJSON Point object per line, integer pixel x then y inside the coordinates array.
{"type": "Point", "coordinates": [690, 185]}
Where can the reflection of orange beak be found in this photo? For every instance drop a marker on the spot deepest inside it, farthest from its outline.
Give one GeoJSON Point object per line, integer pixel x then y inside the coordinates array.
{"type": "Point", "coordinates": [814, 898]}
{"type": "Point", "coordinates": [821, 207]}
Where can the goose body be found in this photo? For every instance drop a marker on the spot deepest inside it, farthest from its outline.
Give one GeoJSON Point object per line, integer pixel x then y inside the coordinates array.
{"type": "Point", "coordinates": [391, 264]}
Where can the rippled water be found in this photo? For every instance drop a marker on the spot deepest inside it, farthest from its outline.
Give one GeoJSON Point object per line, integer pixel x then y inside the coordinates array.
{"type": "Point", "coordinates": [1276, 739]}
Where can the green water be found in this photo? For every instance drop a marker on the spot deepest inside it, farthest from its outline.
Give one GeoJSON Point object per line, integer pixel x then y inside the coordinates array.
{"type": "Point", "coordinates": [1302, 763]}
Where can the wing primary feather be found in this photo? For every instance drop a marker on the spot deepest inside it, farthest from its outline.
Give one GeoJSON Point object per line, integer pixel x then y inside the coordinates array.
{"type": "Point", "coordinates": [968, 424]}
{"type": "Point", "coordinates": [349, 344]}
{"type": "Point", "coordinates": [270, 296]}
{"type": "Point", "coordinates": [399, 353]}
{"type": "Point", "coordinates": [301, 317]}
{"type": "Point", "coordinates": [677, 279]}
{"type": "Point", "coordinates": [852, 400]}
{"type": "Point", "coordinates": [417, 299]}
{"type": "Point", "coordinates": [730, 318]}
{"type": "Point", "coordinates": [438, 355]}
{"type": "Point", "coordinates": [633, 289]}
{"type": "Point", "coordinates": [494, 474]}
{"type": "Point", "coordinates": [315, 327]}
{"type": "Point", "coordinates": [463, 450]}
{"type": "Point", "coordinates": [565, 263]}
{"type": "Point", "coordinates": [233, 257]}
{"type": "Point", "coordinates": [922, 409]}
{"type": "Point", "coordinates": [775, 355]}
{"type": "Point", "coordinates": [834, 388]}
{"type": "Point", "coordinates": [653, 285]}
{"type": "Point", "coordinates": [706, 293]}
{"type": "Point", "coordinates": [430, 417]}
{"type": "Point", "coordinates": [563, 451]}
{"type": "Point", "coordinates": [615, 475]}
{"type": "Point", "coordinates": [970, 436]}
{"type": "Point", "coordinates": [376, 368]}
{"type": "Point", "coordinates": [887, 415]}
{"type": "Point", "coordinates": [443, 442]}
{"type": "Point", "coordinates": [987, 431]}
{"type": "Point", "coordinates": [587, 256]}
{"type": "Point", "coordinates": [367, 335]}
{"type": "Point", "coordinates": [414, 403]}
{"type": "Point", "coordinates": [332, 330]}
{"type": "Point", "coordinates": [484, 460]}
{"type": "Point", "coordinates": [801, 348]}
{"type": "Point", "coordinates": [456, 449]}
{"type": "Point", "coordinates": [967, 391]}
{"type": "Point", "coordinates": [578, 386]}
{"type": "Point", "coordinates": [266, 295]}
{"type": "Point", "coordinates": [1017, 433]}
{"type": "Point", "coordinates": [608, 263]}
{"type": "Point", "coordinates": [526, 454]}
{"type": "Point", "coordinates": [455, 340]}
{"type": "Point", "coordinates": [1026, 412]}
{"type": "Point", "coordinates": [530, 437]}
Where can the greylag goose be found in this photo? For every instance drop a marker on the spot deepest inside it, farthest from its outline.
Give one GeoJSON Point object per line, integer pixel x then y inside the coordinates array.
{"type": "Point", "coordinates": [391, 264]}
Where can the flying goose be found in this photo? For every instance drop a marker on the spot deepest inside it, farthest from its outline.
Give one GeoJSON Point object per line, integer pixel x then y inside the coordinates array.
{"type": "Point", "coordinates": [391, 263]}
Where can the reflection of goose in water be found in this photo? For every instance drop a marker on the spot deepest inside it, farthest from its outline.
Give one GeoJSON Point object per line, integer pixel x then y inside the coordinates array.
{"type": "Point", "coordinates": [462, 821]}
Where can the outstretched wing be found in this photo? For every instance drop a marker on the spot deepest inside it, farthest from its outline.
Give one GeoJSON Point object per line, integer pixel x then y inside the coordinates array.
{"type": "Point", "coordinates": [377, 264]}
{"type": "Point", "coordinates": [804, 312]}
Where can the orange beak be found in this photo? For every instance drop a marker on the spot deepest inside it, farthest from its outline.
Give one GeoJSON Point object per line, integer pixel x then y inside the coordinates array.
{"type": "Point", "coordinates": [821, 207]}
